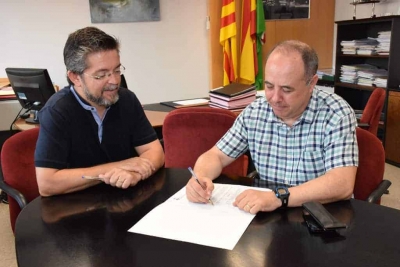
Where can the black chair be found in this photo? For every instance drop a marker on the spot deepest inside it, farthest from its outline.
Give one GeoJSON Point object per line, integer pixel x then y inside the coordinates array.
{"type": "Point", "coordinates": [369, 185]}
{"type": "Point", "coordinates": [123, 82]}
{"type": "Point", "coordinates": [4, 135]}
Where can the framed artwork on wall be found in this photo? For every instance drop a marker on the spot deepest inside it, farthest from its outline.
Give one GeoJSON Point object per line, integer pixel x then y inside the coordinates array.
{"type": "Point", "coordinates": [115, 11]}
{"type": "Point", "coordinates": [286, 9]}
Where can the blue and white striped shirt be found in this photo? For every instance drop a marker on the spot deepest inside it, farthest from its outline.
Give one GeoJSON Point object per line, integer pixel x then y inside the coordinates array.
{"type": "Point", "coordinates": [323, 138]}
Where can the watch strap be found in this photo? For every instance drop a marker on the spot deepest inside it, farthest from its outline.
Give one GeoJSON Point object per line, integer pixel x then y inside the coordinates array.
{"type": "Point", "coordinates": [285, 201]}
{"type": "Point", "coordinates": [283, 197]}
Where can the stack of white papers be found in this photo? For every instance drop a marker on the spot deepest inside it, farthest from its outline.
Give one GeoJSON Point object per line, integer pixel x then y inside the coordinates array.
{"type": "Point", "coordinates": [365, 46]}
{"type": "Point", "coordinates": [220, 225]}
{"type": "Point", "coordinates": [384, 42]}
{"type": "Point", "coordinates": [369, 77]}
{"type": "Point", "coordinates": [192, 102]}
{"type": "Point", "coordinates": [349, 73]}
{"type": "Point", "coordinates": [372, 73]}
{"type": "Point", "coordinates": [380, 82]}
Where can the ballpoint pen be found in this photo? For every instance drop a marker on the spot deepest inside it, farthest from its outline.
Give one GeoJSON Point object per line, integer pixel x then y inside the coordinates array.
{"type": "Point", "coordinates": [197, 180]}
{"type": "Point", "coordinates": [92, 178]}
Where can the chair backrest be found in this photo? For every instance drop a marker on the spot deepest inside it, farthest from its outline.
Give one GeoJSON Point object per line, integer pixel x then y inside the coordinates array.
{"type": "Point", "coordinates": [373, 109]}
{"type": "Point", "coordinates": [371, 164]}
{"type": "Point", "coordinates": [189, 132]}
{"type": "Point", "coordinates": [17, 160]}
{"type": "Point", "coordinates": [123, 82]}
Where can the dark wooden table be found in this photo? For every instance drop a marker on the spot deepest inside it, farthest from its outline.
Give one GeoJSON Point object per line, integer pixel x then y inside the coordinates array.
{"type": "Point", "coordinates": [90, 228]}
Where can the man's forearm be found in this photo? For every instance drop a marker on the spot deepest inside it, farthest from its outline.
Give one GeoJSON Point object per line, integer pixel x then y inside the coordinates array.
{"type": "Point", "coordinates": [337, 184]}
{"type": "Point", "coordinates": [55, 182]}
{"type": "Point", "coordinates": [156, 159]}
{"type": "Point", "coordinates": [152, 153]}
{"type": "Point", "coordinates": [209, 164]}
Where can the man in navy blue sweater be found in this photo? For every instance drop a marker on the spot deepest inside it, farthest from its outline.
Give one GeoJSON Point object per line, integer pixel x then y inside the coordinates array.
{"type": "Point", "coordinates": [93, 127]}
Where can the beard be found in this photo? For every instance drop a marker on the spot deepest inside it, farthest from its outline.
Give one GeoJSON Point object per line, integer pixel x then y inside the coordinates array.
{"type": "Point", "coordinates": [100, 100]}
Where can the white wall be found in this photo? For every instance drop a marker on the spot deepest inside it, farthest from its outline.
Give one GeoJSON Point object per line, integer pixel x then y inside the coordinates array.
{"type": "Point", "coordinates": [344, 11]}
{"type": "Point", "coordinates": [164, 60]}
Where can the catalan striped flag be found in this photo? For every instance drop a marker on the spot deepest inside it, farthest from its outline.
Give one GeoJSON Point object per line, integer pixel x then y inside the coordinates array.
{"type": "Point", "coordinates": [253, 28]}
{"type": "Point", "coordinates": [260, 33]}
{"type": "Point", "coordinates": [227, 39]}
{"type": "Point", "coordinates": [248, 42]}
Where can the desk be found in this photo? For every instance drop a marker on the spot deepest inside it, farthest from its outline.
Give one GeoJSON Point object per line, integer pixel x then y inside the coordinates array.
{"type": "Point", "coordinates": [89, 228]}
{"type": "Point", "coordinates": [156, 119]}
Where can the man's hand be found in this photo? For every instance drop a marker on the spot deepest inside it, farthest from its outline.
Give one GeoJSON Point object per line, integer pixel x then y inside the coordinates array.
{"type": "Point", "coordinates": [253, 201]}
{"type": "Point", "coordinates": [142, 166]}
{"type": "Point", "coordinates": [199, 193]}
{"type": "Point", "coordinates": [121, 178]}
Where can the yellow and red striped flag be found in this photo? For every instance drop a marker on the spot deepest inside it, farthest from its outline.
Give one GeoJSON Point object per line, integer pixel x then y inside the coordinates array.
{"type": "Point", "coordinates": [260, 35]}
{"type": "Point", "coordinates": [227, 38]}
{"type": "Point", "coordinates": [248, 51]}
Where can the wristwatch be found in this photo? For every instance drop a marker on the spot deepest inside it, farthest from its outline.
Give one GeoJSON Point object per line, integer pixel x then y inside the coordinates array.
{"type": "Point", "coordinates": [282, 193]}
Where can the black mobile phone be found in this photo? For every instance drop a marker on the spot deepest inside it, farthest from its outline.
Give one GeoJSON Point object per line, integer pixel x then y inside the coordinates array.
{"type": "Point", "coordinates": [311, 223]}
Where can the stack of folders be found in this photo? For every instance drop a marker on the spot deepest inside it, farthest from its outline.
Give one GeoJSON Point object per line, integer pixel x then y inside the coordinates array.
{"type": "Point", "coordinates": [234, 96]}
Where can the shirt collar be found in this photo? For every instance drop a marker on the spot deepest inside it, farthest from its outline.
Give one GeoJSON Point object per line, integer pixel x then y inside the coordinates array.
{"type": "Point", "coordinates": [310, 112]}
{"type": "Point", "coordinates": [308, 115]}
{"type": "Point", "coordinates": [82, 101]}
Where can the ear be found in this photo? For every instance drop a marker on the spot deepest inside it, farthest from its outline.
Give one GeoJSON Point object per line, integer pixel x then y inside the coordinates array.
{"type": "Point", "coordinates": [75, 78]}
{"type": "Point", "coordinates": [313, 82]}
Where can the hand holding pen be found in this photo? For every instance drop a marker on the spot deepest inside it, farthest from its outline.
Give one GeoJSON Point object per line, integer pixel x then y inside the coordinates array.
{"type": "Point", "coordinates": [197, 180]}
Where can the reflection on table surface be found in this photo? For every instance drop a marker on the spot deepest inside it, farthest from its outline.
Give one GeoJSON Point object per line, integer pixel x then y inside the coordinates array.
{"type": "Point", "coordinates": [105, 197]}
{"type": "Point", "coordinates": [90, 228]}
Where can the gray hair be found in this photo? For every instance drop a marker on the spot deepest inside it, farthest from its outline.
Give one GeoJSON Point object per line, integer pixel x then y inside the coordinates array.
{"type": "Point", "coordinates": [83, 42]}
{"type": "Point", "coordinates": [308, 54]}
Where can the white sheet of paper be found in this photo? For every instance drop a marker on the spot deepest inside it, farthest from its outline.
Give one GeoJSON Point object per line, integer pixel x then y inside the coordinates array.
{"type": "Point", "coordinates": [192, 102]}
{"type": "Point", "coordinates": [220, 225]}
{"type": "Point", "coordinates": [7, 91]}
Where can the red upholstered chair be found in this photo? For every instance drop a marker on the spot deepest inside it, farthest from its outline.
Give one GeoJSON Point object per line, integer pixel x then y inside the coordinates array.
{"type": "Point", "coordinates": [17, 160]}
{"type": "Point", "coordinates": [371, 114]}
{"type": "Point", "coordinates": [370, 185]}
{"type": "Point", "coordinates": [189, 132]}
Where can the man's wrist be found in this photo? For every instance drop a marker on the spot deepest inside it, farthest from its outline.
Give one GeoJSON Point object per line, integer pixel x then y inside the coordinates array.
{"type": "Point", "coordinates": [140, 177]}
{"type": "Point", "coordinates": [278, 201]}
{"type": "Point", "coordinates": [282, 194]}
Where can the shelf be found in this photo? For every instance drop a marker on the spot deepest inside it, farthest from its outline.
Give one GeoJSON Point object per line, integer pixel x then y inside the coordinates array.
{"type": "Point", "coordinates": [364, 2]}
{"type": "Point", "coordinates": [358, 95]}
{"type": "Point", "coordinates": [368, 20]}
{"type": "Point", "coordinates": [360, 2]}
{"type": "Point", "coordinates": [356, 86]}
{"type": "Point", "coordinates": [365, 56]}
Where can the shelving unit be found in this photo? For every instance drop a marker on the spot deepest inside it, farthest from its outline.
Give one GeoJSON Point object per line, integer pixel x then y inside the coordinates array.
{"type": "Point", "coordinates": [357, 95]}
{"type": "Point", "coordinates": [355, 3]}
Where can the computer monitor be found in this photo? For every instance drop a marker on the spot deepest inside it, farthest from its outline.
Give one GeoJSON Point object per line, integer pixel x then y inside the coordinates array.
{"type": "Point", "coordinates": [32, 88]}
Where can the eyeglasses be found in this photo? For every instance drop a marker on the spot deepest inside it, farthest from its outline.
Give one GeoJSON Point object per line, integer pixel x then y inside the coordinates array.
{"type": "Point", "coordinates": [102, 76]}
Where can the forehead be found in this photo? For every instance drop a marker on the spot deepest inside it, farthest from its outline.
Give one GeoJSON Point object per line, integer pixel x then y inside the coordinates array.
{"type": "Point", "coordinates": [108, 59]}
{"type": "Point", "coordinates": [284, 63]}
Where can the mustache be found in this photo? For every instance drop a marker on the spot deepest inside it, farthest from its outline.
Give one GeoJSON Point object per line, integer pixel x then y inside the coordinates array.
{"type": "Point", "coordinates": [110, 88]}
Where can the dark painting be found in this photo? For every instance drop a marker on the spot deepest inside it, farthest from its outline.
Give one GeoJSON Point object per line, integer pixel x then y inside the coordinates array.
{"type": "Point", "coordinates": [286, 9]}
{"type": "Point", "coordinates": [109, 11]}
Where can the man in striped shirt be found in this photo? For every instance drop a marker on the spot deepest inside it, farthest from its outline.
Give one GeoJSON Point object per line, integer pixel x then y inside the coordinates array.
{"type": "Point", "coordinates": [302, 140]}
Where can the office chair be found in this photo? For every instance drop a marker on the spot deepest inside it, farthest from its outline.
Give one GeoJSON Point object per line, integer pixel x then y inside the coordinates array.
{"type": "Point", "coordinates": [369, 185]}
{"type": "Point", "coordinates": [4, 135]}
{"type": "Point", "coordinates": [17, 160]}
{"type": "Point", "coordinates": [189, 132]}
{"type": "Point", "coordinates": [372, 112]}
{"type": "Point", "coordinates": [123, 82]}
